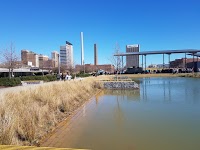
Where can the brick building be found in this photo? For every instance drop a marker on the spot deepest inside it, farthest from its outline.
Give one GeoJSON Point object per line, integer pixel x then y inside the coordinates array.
{"type": "Point", "coordinates": [93, 68]}
{"type": "Point", "coordinates": [32, 59]}
{"type": "Point", "coordinates": [181, 63]}
{"type": "Point", "coordinates": [29, 58]}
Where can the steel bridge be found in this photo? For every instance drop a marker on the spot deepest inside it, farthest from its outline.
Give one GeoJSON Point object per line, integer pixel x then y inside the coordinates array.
{"type": "Point", "coordinates": [193, 52]}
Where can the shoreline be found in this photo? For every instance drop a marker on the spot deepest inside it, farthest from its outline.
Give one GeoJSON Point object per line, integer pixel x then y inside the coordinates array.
{"type": "Point", "coordinates": [154, 75]}
{"type": "Point", "coordinates": [49, 99]}
{"type": "Point", "coordinates": [66, 121]}
{"type": "Point", "coordinates": [37, 111]}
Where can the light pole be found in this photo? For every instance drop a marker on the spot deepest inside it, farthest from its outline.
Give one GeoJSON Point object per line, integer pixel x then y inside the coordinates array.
{"type": "Point", "coordinates": [59, 64]}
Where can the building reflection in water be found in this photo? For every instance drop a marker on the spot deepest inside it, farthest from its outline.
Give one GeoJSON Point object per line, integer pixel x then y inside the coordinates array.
{"type": "Point", "coordinates": [163, 89]}
{"type": "Point", "coordinates": [155, 89]}
{"type": "Point", "coordinates": [169, 90]}
{"type": "Point", "coordinates": [129, 94]}
{"type": "Point", "coordinates": [118, 105]}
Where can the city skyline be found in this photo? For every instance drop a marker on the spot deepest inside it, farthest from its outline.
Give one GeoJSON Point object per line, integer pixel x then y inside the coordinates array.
{"type": "Point", "coordinates": [32, 59]}
{"type": "Point", "coordinates": [154, 25]}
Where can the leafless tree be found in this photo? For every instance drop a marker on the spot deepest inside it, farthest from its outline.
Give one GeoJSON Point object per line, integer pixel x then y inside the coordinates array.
{"type": "Point", "coordinates": [10, 59]}
{"type": "Point", "coordinates": [56, 69]}
{"type": "Point", "coordinates": [115, 60]}
{"type": "Point", "coordinates": [71, 68]}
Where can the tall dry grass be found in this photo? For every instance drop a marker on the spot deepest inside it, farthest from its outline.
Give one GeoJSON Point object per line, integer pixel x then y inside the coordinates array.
{"type": "Point", "coordinates": [28, 115]}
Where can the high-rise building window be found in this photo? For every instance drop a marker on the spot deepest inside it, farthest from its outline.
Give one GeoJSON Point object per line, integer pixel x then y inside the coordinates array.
{"type": "Point", "coordinates": [132, 60]}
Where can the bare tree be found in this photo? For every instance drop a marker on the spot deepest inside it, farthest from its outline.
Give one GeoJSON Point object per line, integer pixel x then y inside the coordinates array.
{"type": "Point", "coordinates": [115, 60]}
{"type": "Point", "coordinates": [56, 69]}
{"type": "Point", "coordinates": [10, 59]}
{"type": "Point", "coordinates": [71, 68]}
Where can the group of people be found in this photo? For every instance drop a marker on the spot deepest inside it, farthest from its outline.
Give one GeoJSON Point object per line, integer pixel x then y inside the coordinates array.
{"type": "Point", "coordinates": [64, 77]}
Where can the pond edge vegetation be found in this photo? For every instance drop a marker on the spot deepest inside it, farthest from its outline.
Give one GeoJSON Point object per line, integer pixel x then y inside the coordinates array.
{"type": "Point", "coordinates": [29, 115]}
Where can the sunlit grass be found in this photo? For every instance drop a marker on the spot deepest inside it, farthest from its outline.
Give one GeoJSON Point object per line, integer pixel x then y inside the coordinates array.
{"type": "Point", "coordinates": [29, 114]}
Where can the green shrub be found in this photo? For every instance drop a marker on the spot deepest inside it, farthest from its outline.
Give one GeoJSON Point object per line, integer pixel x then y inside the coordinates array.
{"type": "Point", "coordinates": [82, 75]}
{"type": "Point", "coordinates": [45, 78]}
{"type": "Point", "coordinates": [51, 77]}
{"type": "Point", "coordinates": [17, 80]}
{"type": "Point", "coordinates": [10, 82]}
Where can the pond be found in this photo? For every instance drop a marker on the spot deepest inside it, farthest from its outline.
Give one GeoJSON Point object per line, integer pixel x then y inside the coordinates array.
{"type": "Point", "coordinates": [163, 114]}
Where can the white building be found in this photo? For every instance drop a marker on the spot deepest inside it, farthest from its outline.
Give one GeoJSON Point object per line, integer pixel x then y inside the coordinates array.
{"type": "Point", "coordinates": [132, 60]}
{"type": "Point", "coordinates": [66, 55]}
{"type": "Point", "coordinates": [55, 58]}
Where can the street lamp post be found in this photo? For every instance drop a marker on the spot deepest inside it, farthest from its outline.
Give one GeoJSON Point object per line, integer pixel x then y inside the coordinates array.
{"type": "Point", "coordinates": [58, 64]}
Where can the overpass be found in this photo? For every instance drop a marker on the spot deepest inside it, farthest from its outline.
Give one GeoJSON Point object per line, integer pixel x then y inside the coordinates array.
{"type": "Point", "coordinates": [193, 52]}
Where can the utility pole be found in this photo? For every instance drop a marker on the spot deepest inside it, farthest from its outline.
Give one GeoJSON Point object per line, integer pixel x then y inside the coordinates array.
{"type": "Point", "coordinates": [59, 64]}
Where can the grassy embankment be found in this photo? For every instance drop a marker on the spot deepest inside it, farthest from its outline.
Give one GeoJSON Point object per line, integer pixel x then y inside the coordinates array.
{"type": "Point", "coordinates": [151, 75]}
{"type": "Point", "coordinates": [29, 114]}
{"type": "Point", "coordinates": [191, 75]}
{"type": "Point", "coordinates": [197, 75]}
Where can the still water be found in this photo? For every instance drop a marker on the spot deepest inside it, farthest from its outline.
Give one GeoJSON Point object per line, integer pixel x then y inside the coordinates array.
{"type": "Point", "coordinates": [164, 114]}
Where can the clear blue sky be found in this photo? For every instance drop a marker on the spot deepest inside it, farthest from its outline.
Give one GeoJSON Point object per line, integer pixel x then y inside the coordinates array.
{"type": "Point", "coordinates": [44, 25]}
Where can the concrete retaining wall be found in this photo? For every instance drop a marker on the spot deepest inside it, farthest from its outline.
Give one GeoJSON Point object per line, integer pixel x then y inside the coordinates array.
{"type": "Point", "coordinates": [25, 83]}
{"type": "Point", "coordinates": [120, 85]}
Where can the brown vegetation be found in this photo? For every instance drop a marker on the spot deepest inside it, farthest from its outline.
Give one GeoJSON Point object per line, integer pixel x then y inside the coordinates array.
{"type": "Point", "coordinates": [192, 75]}
{"type": "Point", "coordinates": [28, 115]}
{"type": "Point", "coordinates": [151, 75]}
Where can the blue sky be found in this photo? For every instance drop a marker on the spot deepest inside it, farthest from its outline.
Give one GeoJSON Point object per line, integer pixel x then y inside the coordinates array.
{"type": "Point", "coordinates": [44, 25]}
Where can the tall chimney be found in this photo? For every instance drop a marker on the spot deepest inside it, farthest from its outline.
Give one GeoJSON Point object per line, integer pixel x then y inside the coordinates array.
{"type": "Point", "coordinates": [82, 50]}
{"type": "Point", "coordinates": [95, 55]}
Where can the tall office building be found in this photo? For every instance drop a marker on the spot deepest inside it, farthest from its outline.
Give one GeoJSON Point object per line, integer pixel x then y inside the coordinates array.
{"type": "Point", "coordinates": [95, 55]}
{"type": "Point", "coordinates": [66, 55]}
{"type": "Point", "coordinates": [55, 57]}
{"type": "Point", "coordinates": [29, 58]}
{"type": "Point", "coordinates": [133, 60]}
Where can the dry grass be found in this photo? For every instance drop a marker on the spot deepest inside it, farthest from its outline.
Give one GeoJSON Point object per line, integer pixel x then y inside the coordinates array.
{"type": "Point", "coordinates": [110, 77]}
{"type": "Point", "coordinates": [28, 115]}
{"type": "Point", "coordinates": [151, 75]}
{"type": "Point", "coordinates": [196, 75]}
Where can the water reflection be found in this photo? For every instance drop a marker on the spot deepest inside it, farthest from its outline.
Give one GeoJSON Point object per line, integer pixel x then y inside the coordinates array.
{"type": "Point", "coordinates": [133, 95]}
{"type": "Point", "coordinates": [160, 115]}
{"type": "Point", "coordinates": [129, 94]}
{"type": "Point", "coordinates": [170, 90]}
{"type": "Point", "coordinates": [119, 96]}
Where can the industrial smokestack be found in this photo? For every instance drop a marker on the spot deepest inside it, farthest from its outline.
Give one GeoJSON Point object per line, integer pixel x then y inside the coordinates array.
{"type": "Point", "coordinates": [95, 55]}
{"type": "Point", "coordinates": [82, 50]}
